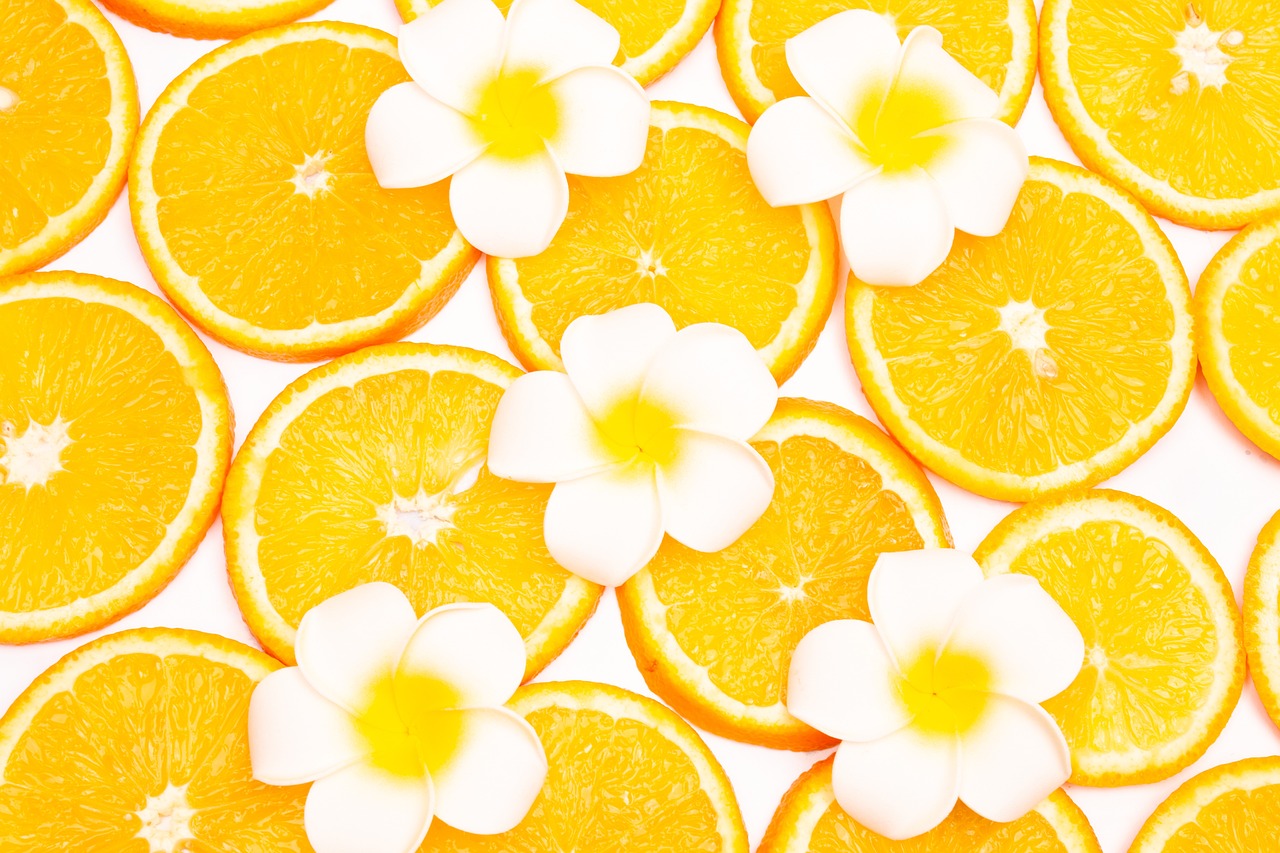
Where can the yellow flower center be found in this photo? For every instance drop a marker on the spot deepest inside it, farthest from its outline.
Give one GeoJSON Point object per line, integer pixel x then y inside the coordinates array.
{"type": "Point", "coordinates": [408, 727]}
{"type": "Point", "coordinates": [895, 127]}
{"type": "Point", "coordinates": [516, 114]}
{"type": "Point", "coordinates": [946, 694]}
{"type": "Point", "coordinates": [641, 427]}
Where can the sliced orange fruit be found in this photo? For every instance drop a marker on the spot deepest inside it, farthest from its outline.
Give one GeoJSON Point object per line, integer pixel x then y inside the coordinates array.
{"type": "Point", "coordinates": [1048, 357]}
{"type": "Point", "coordinates": [68, 116]}
{"type": "Point", "coordinates": [259, 214]}
{"type": "Point", "coordinates": [625, 773]}
{"type": "Point", "coordinates": [371, 468]}
{"type": "Point", "coordinates": [1174, 100]}
{"type": "Point", "coordinates": [1164, 663]}
{"type": "Point", "coordinates": [212, 19]}
{"type": "Point", "coordinates": [1237, 306]}
{"type": "Point", "coordinates": [115, 436]}
{"type": "Point", "coordinates": [1262, 617]}
{"type": "Point", "coordinates": [995, 39]}
{"type": "Point", "coordinates": [809, 820]}
{"type": "Point", "coordinates": [138, 742]}
{"type": "Point", "coordinates": [1227, 809]}
{"type": "Point", "coordinates": [688, 231]}
{"type": "Point", "coordinates": [713, 634]}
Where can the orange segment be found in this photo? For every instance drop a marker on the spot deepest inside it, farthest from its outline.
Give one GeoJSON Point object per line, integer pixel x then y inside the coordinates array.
{"type": "Point", "coordinates": [713, 634]}
{"type": "Point", "coordinates": [257, 210]}
{"type": "Point", "coordinates": [1262, 617]}
{"type": "Point", "coordinates": [224, 19]}
{"type": "Point", "coordinates": [1226, 809]}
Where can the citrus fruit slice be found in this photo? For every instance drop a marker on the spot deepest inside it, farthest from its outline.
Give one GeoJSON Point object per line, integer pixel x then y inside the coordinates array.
{"type": "Point", "coordinates": [1163, 662]}
{"type": "Point", "coordinates": [1237, 307]}
{"type": "Point", "coordinates": [1048, 357]}
{"type": "Point", "coordinates": [809, 820]}
{"type": "Point", "coordinates": [371, 468]}
{"type": "Point", "coordinates": [713, 634]}
{"type": "Point", "coordinates": [212, 19]}
{"type": "Point", "coordinates": [688, 231]}
{"type": "Point", "coordinates": [1226, 809]}
{"type": "Point", "coordinates": [1262, 616]}
{"type": "Point", "coordinates": [259, 214]}
{"type": "Point", "coordinates": [68, 116]}
{"type": "Point", "coordinates": [995, 39]}
{"type": "Point", "coordinates": [115, 436]}
{"type": "Point", "coordinates": [138, 741]}
{"type": "Point", "coordinates": [625, 773]}
{"type": "Point", "coordinates": [1174, 100]}
{"type": "Point", "coordinates": [655, 36]}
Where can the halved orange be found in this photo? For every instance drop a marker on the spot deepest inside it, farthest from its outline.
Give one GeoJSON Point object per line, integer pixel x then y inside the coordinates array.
{"type": "Point", "coordinates": [1262, 617]}
{"type": "Point", "coordinates": [212, 19]}
{"type": "Point", "coordinates": [1227, 809]}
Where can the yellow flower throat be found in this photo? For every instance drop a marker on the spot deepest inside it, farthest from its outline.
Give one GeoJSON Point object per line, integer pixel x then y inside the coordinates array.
{"type": "Point", "coordinates": [946, 694]}
{"type": "Point", "coordinates": [516, 114]}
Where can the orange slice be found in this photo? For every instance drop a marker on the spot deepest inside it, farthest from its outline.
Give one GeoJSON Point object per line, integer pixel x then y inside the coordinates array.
{"type": "Point", "coordinates": [257, 210]}
{"type": "Point", "coordinates": [1164, 664]}
{"type": "Point", "coordinates": [68, 115]}
{"type": "Point", "coordinates": [1226, 809]}
{"type": "Point", "coordinates": [138, 741]}
{"type": "Point", "coordinates": [371, 468]}
{"type": "Point", "coordinates": [212, 19]}
{"type": "Point", "coordinates": [1262, 617]}
{"type": "Point", "coordinates": [689, 231]}
{"type": "Point", "coordinates": [625, 774]}
{"type": "Point", "coordinates": [713, 634]}
{"type": "Point", "coordinates": [1048, 357]}
{"type": "Point", "coordinates": [115, 436]}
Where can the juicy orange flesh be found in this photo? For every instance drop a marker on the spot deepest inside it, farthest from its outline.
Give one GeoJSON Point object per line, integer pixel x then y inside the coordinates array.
{"type": "Point", "coordinates": [131, 421]}
{"type": "Point", "coordinates": [1150, 74]}
{"type": "Point", "coordinates": [1251, 328]}
{"type": "Point", "coordinates": [130, 728]}
{"type": "Point", "coordinates": [1233, 821]}
{"type": "Point", "coordinates": [1037, 348]}
{"type": "Point", "coordinates": [267, 195]}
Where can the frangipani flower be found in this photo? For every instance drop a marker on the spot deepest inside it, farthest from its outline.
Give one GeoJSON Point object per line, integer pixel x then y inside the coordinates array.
{"type": "Point", "coordinates": [507, 108]}
{"type": "Point", "coordinates": [645, 433]}
{"type": "Point", "coordinates": [903, 133]}
{"type": "Point", "coordinates": [398, 720]}
{"type": "Point", "coordinates": [938, 698]}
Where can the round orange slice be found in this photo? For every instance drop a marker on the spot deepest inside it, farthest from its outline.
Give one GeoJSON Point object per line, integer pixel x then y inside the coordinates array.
{"type": "Point", "coordinates": [257, 210]}
{"type": "Point", "coordinates": [212, 19]}
{"type": "Point", "coordinates": [713, 634]}
{"type": "Point", "coordinates": [1227, 809]}
{"type": "Point", "coordinates": [68, 116]}
{"type": "Point", "coordinates": [115, 436]}
{"type": "Point", "coordinates": [1262, 617]}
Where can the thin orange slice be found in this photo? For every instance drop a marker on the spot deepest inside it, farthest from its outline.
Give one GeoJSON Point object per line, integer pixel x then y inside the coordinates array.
{"type": "Point", "coordinates": [1262, 617]}
{"type": "Point", "coordinates": [212, 19]}
{"type": "Point", "coordinates": [1232, 808]}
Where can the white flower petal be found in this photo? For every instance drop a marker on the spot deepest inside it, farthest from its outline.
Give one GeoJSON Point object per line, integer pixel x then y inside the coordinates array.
{"type": "Point", "coordinates": [846, 62]}
{"type": "Point", "coordinates": [353, 641]}
{"type": "Point", "coordinates": [607, 355]}
{"type": "Point", "coordinates": [542, 433]}
{"type": "Point", "coordinates": [607, 526]}
{"type": "Point", "coordinates": [913, 597]}
{"type": "Point", "coordinates": [461, 656]}
{"type": "Point", "coordinates": [980, 171]}
{"type": "Point", "coordinates": [843, 683]}
{"type": "Point", "coordinates": [602, 127]}
{"type": "Point", "coordinates": [901, 785]}
{"type": "Point", "coordinates": [414, 140]}
{"type": "Point", "coordinates": [554, 37]}
{"type": "Point", "coordinates": [928, 74]}
{"type": "Point", "coordinates": [295, 734]}
{"type": "Point", "coordinates": [364, 809]}
{"type": "Point", "coordinates": [799, 154]}
{"type": "Point", "coordinates": [895, 228]}
{"type": "Point", "coordinates": [713, 489]}
{"type": "Point", "coordinates": [454, 50]}
{"type": "Point", "coordinates": [510, 207]}
{"type": "Point", "coordinates": [1013, 758]}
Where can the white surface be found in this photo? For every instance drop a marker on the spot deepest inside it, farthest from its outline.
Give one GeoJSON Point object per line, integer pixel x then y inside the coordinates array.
{"type": "Point", "coordinates": [1204, 471]}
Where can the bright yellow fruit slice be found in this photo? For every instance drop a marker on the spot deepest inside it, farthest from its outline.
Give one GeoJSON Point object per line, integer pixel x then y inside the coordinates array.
{"type": "Point", "coordinates": [1237, 306]}
{"type": "Point", "coordinates": [1176, 100]}
{"type": "Point", "coordinates": [1164, 663]}
{"type": "Point", "coordinates": [625, 774]}
{"type": "Point", "coordinates": [1048, 357]}
{"type": "Point", "coordinates": [1232, 808]}
{"type": "Point", "coordinates": [809, 820]}
{"type": "Point", "coordinates": [371, 468]}
{"type": "Point", "coordinates": [713, 634]}
{"type": "Point", "coordinates": [995, 39]}
{"type": "Point", "coordinates": [258, 212]}
{"type": "Point", "coordinates": [687, 230]}
{"type": "Point", "coordinates": [115, 436]}
{"type": "Point", "coordinates": [68, 116]}
{"type": "Point", "coordinates": [1262, 616]}
{"type": "Point", "coordinates": [138, 742]}
{"type": "Point", "coordinates": [212, 19]}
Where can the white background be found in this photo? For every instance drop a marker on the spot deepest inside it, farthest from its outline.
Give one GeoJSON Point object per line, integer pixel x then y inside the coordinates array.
{"type": "Point", "coordinates": [1204, 471]}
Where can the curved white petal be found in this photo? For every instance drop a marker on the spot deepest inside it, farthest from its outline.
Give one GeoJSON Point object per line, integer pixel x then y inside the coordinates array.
{"type": "Point", "coordinates": [799, 154]}
{"type": "Point", "coordinates": [554, 37]}
{"type": "Point", "coordinates": [901, 785]}
{"type": "Point", "coordinates": [510, 207]}
{"type": "Point", "coordinates": [364, 809]}
{"type": "Point", "coordinates": [461, 656]}
{"type": "Point", "coordinates": [913, 597]}
{"type": "Point", "coordinates": [602, 127]}
{"type": "Point", "coordinates": [607, 355]}
{"type": "Point", "coordinates": [895, 228]}
{"type": "Point", "coordinates": [352, 642]}
{"type": "Point", "coordinates": [846, 62]}
{"type": "Point", "coordinates": [1012, 758]}
{"type": "Point", "coordinates": [980, 171]}
{"type": "Point", "coordinates": [295, 734]}
{"type": "Point", "coordinates": [843, 683]}
{"type": "Point", "coordinates": [414, 140]}
{"type": "Point", "coordinates": [542, 433]}
{"type": "Point", "coordinates": [607, 526]}
{"type": "Point", "coordinates": [712, 490]}
{"type": "Point", "coordinates": [454, 50]}
{"type": "Point", "coordinates": [928, 74]}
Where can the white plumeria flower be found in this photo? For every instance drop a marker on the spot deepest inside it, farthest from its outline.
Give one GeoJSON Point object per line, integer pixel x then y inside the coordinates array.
{"type": "Point", "coordinates": [646, 432]}
{"type": "Point", "coordinates": [939, 699]}
{"type": "Point", "coordinates": [904, 134]}
{"type": "Point", "coordinates": [507, 108]}
{"type": "Point", "coordinates": [398, 720]}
